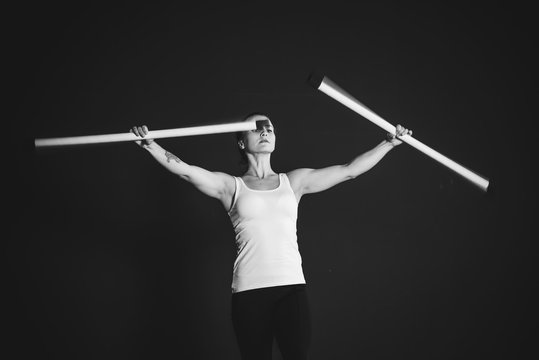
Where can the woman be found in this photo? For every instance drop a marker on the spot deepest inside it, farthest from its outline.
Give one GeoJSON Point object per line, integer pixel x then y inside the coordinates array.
{"type": "Point", "coordinates": [269, 296]}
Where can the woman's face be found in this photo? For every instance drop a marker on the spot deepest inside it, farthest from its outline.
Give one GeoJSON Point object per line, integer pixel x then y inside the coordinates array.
{"type": "Point", "coordinates": [259, 140]}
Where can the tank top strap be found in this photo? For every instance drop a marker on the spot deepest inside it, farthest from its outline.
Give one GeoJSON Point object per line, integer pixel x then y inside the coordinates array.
{"type": "Point", "coordinates": [284, 179]}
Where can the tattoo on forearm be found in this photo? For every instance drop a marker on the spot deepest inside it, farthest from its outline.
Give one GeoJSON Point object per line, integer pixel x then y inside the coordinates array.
{"type": "Point", "coordinates": [171, 156]}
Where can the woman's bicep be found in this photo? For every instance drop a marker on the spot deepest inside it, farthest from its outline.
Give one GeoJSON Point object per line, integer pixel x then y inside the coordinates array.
{"type": "Point", "coordinates": [210, 183]}
{"type": "Point", "coordinates": [308, 181]}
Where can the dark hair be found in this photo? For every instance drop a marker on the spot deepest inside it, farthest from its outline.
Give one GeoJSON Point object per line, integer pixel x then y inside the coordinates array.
{"type": "Point", "coordinates": [239, 136]}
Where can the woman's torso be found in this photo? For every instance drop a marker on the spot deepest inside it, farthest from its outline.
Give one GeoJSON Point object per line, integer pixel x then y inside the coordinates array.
{"type": "Point", "coordinates": [264, 216]}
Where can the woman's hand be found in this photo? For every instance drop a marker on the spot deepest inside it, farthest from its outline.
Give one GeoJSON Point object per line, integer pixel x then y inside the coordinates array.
{"type": "Point", "coordinates": [394, 138]}
{"type": "Point", "coordinates": [141, 131]}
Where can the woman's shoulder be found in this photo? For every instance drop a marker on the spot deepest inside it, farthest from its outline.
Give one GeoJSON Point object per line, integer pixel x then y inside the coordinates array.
{"type": "Point", "coordinates": [296, 176]}
{"type": "Point", "coordinates": [228, 180]}
{"type": "Point", "coordinates": [297, 173]}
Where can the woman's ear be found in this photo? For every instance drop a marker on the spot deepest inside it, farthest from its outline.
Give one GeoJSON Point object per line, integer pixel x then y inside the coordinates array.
{"type": "Point", "coordinates": [241, 144]}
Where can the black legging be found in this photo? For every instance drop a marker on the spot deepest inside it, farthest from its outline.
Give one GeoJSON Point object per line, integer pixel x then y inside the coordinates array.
{"type": "Point", "coordinates": [280, 312]}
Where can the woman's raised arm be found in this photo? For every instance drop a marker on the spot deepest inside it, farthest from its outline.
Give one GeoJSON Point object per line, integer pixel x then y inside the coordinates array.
{"type": "Point", "coordinates": [214, 184]}
{"type": "Point", "coordinates": [307, 181]}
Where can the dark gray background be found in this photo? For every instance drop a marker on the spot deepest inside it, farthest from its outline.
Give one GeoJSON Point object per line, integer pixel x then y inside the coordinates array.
{"type": "Point", "coordinates": [112, 257]}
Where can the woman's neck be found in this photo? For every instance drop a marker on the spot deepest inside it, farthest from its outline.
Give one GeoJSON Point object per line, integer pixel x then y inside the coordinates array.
{"type": "Point", "coordinates": [259, 166]}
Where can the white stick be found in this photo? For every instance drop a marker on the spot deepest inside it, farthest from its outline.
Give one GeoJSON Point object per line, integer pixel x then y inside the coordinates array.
{"type": "Point", "coordinates": [330, 88]}
{"type": "Point", "coordinates": [153, 134]}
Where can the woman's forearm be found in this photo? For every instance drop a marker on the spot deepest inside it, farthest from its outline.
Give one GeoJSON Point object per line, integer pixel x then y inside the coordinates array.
{"type": "Point", "coordinates": [369, 159]}
{"type": "Point", "coordinates": [169, 161]}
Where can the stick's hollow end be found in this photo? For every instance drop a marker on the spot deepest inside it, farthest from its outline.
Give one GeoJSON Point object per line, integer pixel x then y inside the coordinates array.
{"type": "Point", "coordinates": [315, 79]}
{"type": "Point", "coordinates": [261, 123]}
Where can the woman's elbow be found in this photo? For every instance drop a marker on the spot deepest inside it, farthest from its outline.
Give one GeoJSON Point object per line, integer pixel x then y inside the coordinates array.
{"type": "Point", "coordinates": [355, 172]}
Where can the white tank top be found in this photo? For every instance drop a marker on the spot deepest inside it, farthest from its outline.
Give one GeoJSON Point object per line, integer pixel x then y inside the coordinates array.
{"type": "Point", "coordinates": [266, 237]}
